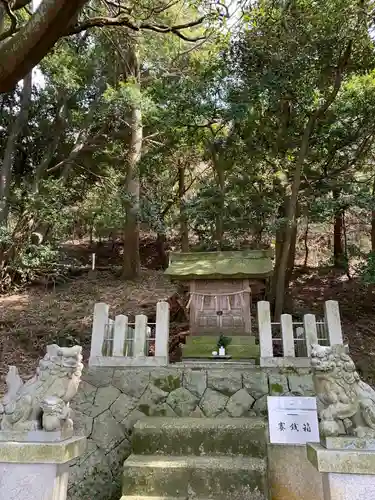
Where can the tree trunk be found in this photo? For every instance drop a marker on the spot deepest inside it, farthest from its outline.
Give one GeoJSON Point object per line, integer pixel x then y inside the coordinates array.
{"type": "Point", "coordinates": [373, 218]}
{"type": "Point", "coordinates": [338, 247]}
{"type": "Point", "coordinates": [219, 227]}
{"type": "Point", "coordinates": [306, 243]}
{"type": "Point", "coordinates": [291, 221]}
{"type": "Point", "coordinates": [58, 128]}
{"type": "Point", "coordinates": [291, 258]}
{"type": "Point", "coordinates": [160, 248]}
{"type": "Point", "coordinates": [2, 18]}
{"type": "Point", "coordinates": [346, 262]}
{"type": "Point", "coordinates": [184, 230]}
{"type": "Point", "coordinates": [292, 206]}
{"type": "Point", "coordinates": [21, 52]}
{"type": "Point", "coordinates": [279, 240]}
{"type": "Point", "coordinates": [131, 263]}
{"type": "Point", "coordinates": [220, 181]}
{"type": "Point", "coordinates": [10, 149]}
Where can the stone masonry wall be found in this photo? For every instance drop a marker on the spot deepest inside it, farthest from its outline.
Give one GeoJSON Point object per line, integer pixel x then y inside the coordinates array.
{"type": "Point", "coordinates": [110, 401]}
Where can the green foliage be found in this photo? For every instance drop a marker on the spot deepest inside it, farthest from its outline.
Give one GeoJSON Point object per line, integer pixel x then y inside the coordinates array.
{"type": "Point", "coordinates": [229, 111]}
{"type": "Point", "coordinates": [367, 269]}
{"type": "Point", "coordinates": [20, 266]}
{"type": "Point", "coordinates": [224, 341]}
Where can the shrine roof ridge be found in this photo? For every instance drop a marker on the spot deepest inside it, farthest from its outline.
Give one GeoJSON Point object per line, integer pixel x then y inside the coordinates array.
{"type": "Point", "coordinates": [220, 264]}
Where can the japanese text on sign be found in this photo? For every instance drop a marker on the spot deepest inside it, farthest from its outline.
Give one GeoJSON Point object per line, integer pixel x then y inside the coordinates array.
{"type": "Point", "coordinates": [293, 420]}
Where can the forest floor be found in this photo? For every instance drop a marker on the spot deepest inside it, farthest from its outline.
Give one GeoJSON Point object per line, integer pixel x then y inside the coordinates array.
{"type": "Point", "coordinates": [38, 316]}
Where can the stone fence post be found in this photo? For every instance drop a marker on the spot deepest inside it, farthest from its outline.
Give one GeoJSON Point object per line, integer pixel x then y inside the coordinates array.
{"type": "Point", "coordinates": [99, 327]}
{"type": "Point", "coordinates": [265, 331]}
{"type": "Point", "coordinates": [115, 343]}
{"type": "Point", "coordinates": [162, 331]}
{"type": "Point", "coordinates": [333, 322]}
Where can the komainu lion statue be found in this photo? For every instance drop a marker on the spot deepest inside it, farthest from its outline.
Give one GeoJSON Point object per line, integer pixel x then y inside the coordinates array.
{"type": "Point", "coordinates": [50, 390]}
{"type": "Point", "coordinates": [346, 404]}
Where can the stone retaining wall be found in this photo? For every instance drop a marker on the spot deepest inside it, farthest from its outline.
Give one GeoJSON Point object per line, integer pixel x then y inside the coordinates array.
{"type": "Point", "coordinates": [110, 401]}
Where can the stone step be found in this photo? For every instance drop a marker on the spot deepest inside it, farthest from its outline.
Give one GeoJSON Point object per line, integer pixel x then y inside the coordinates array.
{"type": "Point", "coordinates": [212, 340]}
{"type": "Point", "coordinates": [137, 497]}
{"type": "Point", "coordinates": [250, 351]}
{"type": "Point", "coordinates": [219, 478]}
{"type": "Point", "coordinates": [208, 364]}
{"type": "Point", "coordinates": [200, 436]}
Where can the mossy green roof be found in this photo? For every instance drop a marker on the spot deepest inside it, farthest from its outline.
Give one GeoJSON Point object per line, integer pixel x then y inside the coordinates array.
{"type": "Point", "coordinates": [218, 265]}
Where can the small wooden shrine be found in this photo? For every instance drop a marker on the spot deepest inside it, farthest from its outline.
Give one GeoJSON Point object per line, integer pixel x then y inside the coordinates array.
{"type": "Point", "coordinates": [221, 286]}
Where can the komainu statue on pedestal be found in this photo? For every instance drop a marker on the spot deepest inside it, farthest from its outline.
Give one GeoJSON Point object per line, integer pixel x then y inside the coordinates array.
{"type": "Point", "coordinates": [43, 401]}
{"type": "Point", "coordinates": [346, 405]}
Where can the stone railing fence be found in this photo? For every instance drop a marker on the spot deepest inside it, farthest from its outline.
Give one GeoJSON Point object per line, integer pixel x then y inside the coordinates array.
{"type": "Point", "coordinates": [288, 343]}
{"type": "Point", "coordinates": [117, 342]}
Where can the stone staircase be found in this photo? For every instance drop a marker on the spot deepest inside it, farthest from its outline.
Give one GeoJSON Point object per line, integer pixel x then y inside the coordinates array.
{"type": "Point", "coordinates": [197, 458]}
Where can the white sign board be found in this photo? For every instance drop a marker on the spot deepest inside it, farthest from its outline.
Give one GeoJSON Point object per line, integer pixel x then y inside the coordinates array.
{"type": "Point", "coordinates": [293, 420]}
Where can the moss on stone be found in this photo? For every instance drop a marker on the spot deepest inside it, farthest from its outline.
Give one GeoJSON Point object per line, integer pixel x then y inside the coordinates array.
{"type": "Point", "coordinates": [276, 388]}
{"type": "Point", "coordinates": [289, 369]}
{"type": "Point", "coordinates": [217, 440]}
{"type": "Point", "coordinates": [198, 477]}
{"type": "Point", "coordinates": [144, 408]}
{"type": "Point", "coordinates": [168, 383]}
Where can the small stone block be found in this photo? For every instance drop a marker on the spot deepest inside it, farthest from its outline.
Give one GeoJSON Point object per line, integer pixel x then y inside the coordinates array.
{"type": "Point", "coordinates": [36, 436]}
{"type": "Point", "coordinates": [339, 461]}
{"type": "Point", "coordinates": [348, 443]}
{"type": "Point", "coordinates": [42, 453]}
{"type": "Point", "coordinates": [227, 382]}
{"type": "Point", "coordinates": [213, 403]}
{"type": "Point", "coordinates": [195, 381]}
{"type": "Point", "coordinates": [239, 404]}
{"type": "Point", "coordinates": [256, 383]}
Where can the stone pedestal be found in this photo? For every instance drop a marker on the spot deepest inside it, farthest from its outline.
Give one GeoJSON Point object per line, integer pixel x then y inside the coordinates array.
{"type": "Point", "coordinates": [291, 476]}
{"type": "Point", "coordinates": [36, 470]}
{"type": "Point", "coordinates": [347, 466]}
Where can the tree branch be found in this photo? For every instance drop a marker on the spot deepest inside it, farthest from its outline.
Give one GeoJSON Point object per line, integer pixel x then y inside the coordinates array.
{"type": "Point", "coordinates": [20, 4]}
{"type": "Point", "coordinates": [118, 6]}
{"type": "Point", "coordinates": [176, 197]}
{"type": "Point", "coordinates": [13, 20]}
{"type": "Point", "coordinates": [58, 129]}
{"type": "Point", "coordinates": [24, 50]}
{"type": "Point", "coordinates": [344, 59]}
{"type": "Point", "coordinates": [124, 20]}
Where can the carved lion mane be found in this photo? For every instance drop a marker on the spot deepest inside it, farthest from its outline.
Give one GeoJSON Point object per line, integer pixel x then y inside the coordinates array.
{"type": "Point", "coordinates": [57, 375]}
{"type": "Point", "coordinates": [346, 404]}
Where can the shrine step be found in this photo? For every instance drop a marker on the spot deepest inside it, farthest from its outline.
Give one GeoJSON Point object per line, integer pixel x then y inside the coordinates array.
{"type": "Point", "coordinates": [202, 346]}
{"type": "Point", "coordinates": [245, 351]}
{"type": "Point", "coordinates": [200, 436]}
{"type": "Point", "coordinates": [212, 339]}
{"type": "Point", "coordinates": [182, 477]}
{"type": "Point", "coordinates": [137, 497]}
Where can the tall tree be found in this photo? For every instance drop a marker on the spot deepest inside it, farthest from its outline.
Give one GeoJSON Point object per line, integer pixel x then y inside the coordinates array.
{"type": "Point", "coordinates": [24, 44]}
{"type": "Point", "coordinates": [309, 50]}
{"type": "Point", "coordinates": [15, 130]}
